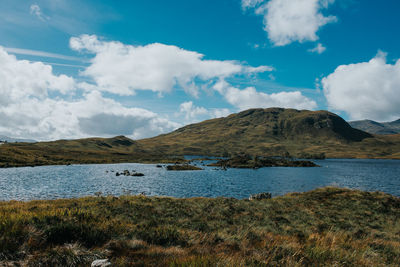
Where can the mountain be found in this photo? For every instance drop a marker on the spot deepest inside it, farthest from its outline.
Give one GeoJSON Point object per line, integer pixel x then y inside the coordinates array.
{"type": "Point", "coordinates": [374, 127]}
{"type": "Point", "coordinates": [4, 138]}
{"type": "Point", "coordinates": [262, 132]}
{"type": "Point", "coordinates": [274, 131]}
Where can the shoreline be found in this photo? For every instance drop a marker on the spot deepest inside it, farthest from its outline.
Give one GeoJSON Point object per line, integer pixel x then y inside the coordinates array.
{"type": "Point", "coordinates": [193, 198]}
{"type": "Point", "coordinates": [173, 162]}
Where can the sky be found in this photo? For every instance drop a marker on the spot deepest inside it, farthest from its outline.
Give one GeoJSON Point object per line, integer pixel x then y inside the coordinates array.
{"type": "Point", "coordinates": [74, 69]}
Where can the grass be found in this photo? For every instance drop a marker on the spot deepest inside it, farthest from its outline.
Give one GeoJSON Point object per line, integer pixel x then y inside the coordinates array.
{"type": "Point", "coordinates": [324, 227]}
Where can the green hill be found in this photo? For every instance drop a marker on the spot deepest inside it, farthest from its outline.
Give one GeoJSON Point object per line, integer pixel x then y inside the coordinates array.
{"type": "Point", "coordinates": [262, 132]}
{"type": "Point", "coordinates": [90, 150]}
{"type": "Point", "coordinates": [276, 131]}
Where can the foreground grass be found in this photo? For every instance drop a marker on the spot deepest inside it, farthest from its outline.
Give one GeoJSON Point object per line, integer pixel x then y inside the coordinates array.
{"type": "Point", "coordinates": [324, 227]}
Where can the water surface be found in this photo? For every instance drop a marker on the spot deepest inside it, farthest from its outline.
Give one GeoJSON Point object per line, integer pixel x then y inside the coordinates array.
{"type": "Point", "coordinates": [50, 182]}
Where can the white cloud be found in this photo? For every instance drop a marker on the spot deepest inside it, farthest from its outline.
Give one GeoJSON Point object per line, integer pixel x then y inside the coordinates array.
{"type": "Point", "coordinates": [91, 115]}
{"type": "Point", "coordinates": [28, 110]}
{"type": "Point", "coordinates": [193, 113]}
{"type": "Point", "coordinates": [220, 112]}
{"type": "Point", "coordinates": [368, 90]}
{"type": "Point", "coordinates": [35, 10]}
{"type": "Point", "coordinates": [319, 49]}
{"type": "Point", "coordinates": [123, 69]}
{"type": "Point", "coordinates": [250, 3]}
{"type": "Point", "coordinates": [21, 78]}
{"type": "Point", "coordinates": [288, 21]}
{"type": "Point", "coordinates": [251, 98]}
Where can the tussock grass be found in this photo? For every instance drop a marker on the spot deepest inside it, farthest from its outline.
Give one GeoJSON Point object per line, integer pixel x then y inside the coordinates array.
{"type": "Point", "coordinates": [324, 227]}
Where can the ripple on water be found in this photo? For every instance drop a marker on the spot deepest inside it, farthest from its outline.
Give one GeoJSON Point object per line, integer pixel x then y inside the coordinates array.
{"type": "Point", "coordinates": [50, 182]}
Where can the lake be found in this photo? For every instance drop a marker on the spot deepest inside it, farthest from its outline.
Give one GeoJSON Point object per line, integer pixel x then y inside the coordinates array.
{"type": "Point", "coordinates": [51, 182]}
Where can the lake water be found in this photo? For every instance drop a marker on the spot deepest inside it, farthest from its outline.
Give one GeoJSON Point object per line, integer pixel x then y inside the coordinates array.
{"type": "Point", "coordinates": [50, 182]}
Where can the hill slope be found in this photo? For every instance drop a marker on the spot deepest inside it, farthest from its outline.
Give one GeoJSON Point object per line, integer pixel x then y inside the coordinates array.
{"type": "Point", "coordinates": [275, 131]}
{"type": "Point", "coordinates": [89, 150]}
{"type": "Point", "coordinates": [374, 127]}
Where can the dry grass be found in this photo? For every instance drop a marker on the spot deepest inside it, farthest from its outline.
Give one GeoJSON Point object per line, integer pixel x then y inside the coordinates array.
{"type": "Point", "coordinates": [324, 227]}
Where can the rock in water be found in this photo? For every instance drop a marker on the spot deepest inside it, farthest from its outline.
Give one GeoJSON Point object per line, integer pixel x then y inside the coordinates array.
{"type": "Point", "coordinates": [260, 196]}
{"type": "Point", "coordinates": [137, 174]}
{"type": "Point", "coordinates": [101, 263]}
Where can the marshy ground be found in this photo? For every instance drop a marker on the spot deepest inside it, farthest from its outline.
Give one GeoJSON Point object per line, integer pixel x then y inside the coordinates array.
{"type": "Point", "coordinates": [324, 227]}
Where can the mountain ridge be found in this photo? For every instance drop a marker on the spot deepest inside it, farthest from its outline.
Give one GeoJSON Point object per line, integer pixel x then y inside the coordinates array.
{"type": "Point", "coordinates": [374, 127]}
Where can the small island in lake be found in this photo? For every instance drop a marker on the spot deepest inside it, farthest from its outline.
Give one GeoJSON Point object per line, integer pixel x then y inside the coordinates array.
{"type": "Point", "coordinates": [183, 167]}
{"type": "Point", "coordinates": [247, 161]}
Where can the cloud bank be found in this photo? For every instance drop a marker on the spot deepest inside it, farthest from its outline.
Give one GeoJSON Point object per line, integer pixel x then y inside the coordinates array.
{"type": "Point", "coordinates": [368, 90]}
{"type": "Point", "coordinates": [27, 108]}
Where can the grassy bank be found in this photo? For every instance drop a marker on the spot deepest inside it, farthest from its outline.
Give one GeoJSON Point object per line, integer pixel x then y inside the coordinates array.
{"type": "Point", "coordinates": [329, 226]}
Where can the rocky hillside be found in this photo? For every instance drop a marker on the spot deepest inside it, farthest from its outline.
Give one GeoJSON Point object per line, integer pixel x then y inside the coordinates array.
{"type": "Point", "coordinates": [273, 131]}
{"type": "Point", "coordinates": [374, 127]}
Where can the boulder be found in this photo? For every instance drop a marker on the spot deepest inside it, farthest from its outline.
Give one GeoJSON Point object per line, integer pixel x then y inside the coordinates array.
{"type": "Point", "coordinates": [137, 174]}
{"type": "Point", "coordinates": [260, 196]}
{"type": "Point", "coordinates": [101, 263]}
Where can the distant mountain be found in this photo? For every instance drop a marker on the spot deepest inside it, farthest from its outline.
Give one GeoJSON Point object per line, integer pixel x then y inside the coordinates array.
{"type": "Point", "coordinates": [374, 127]}
{"type": "Point", "coordinates": [15, 140]}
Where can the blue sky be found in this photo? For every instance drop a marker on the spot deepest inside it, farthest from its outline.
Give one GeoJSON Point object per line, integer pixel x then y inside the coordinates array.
{"type": "Point", "coordinates": [81, 68]}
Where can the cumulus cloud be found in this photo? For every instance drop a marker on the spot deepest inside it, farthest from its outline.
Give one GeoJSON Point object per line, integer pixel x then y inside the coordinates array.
{"type": "Point", "coordinates": [91, 115]}
{"type": "Point", "coordinates": [28, 109]}
{"type": "Point", "coordinates": [367, 90]}
{"type": "Point", "coordinates": [288, 21]}
{"type": "Point", "coordinates": [21, 78]}
{"type": "Point", "coordinates": [123, 69]}
{"type": "Point", "coordinates": [319, 49]}
{"type": "Point", "coordinates": [194, 113]}
{"type": "Point", "coordinates": [251, 98]}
